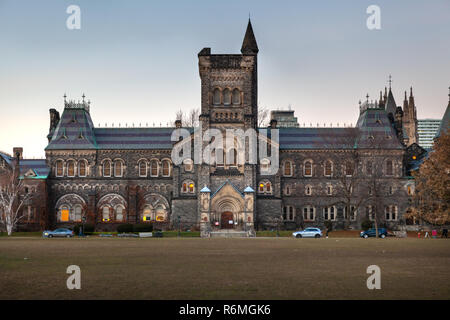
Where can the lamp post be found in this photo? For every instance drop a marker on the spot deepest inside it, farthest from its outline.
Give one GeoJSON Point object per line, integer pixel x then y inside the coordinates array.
{"type": "Point", "coordinates": [83, 220]}
{"type": "Point", "coordinates": [179, 226]}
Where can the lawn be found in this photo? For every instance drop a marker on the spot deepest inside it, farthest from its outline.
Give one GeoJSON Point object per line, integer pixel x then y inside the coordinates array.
{"type": "Point", "coordinates": [194, 268]}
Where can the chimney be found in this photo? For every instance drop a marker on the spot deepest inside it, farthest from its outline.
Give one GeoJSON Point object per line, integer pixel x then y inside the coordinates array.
{"type": "Point", "coordinates": [273, 123]}
{"type": "Point", "coordinates": [18, 153]}
{"type": "Point", "coordinates": [177, 124]}
{"type": "Point", "coordinates": [54, 119]}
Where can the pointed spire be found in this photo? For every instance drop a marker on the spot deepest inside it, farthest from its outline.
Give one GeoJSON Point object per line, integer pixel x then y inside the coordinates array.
{"type": "Point", "coordinates": [411, 99]}
{"type": "Point", "coordinates": [405, 104]}
{"type": "Point", "coordinates": [249, 45]}
{"type": "Point", "coordinates": [385, 94]}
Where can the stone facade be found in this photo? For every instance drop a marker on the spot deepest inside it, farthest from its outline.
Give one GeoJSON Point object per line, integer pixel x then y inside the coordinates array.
{"type": "Point", "coordinates": [112, 176]}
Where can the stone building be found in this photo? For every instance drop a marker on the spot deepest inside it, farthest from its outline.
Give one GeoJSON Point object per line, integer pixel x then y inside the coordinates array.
{"type": "Point", "coordinates": [120, 175]}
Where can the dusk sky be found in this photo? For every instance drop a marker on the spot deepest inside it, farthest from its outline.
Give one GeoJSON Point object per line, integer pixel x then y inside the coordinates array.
{"type": "Point", "coordinates": [137, 60]}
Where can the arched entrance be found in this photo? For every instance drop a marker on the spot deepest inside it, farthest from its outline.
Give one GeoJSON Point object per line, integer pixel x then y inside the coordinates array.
{"type": "Point", "coordinates": [227, 220]}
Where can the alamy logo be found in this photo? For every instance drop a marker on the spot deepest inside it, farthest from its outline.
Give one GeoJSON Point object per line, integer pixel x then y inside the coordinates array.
{"type": "Point", "coordinates": [374, 281]}
{"type": "Point", "coordinates": [374, 20]}
{"type": "Point", "coordinates": [230, 148]}
{"type": "Point", "coordinates": [74, 20]}
{"type": "Point", "coordinates": [74, 280]}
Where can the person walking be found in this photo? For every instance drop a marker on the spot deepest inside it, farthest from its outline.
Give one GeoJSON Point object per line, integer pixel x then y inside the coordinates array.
{"type": "Point", "coordinates": [444, 233]}
{"type": "Point", "coordinates": [434, 233]}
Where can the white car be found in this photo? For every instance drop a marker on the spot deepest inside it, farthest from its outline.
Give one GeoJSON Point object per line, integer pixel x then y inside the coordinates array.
{"type": "Point", "coordinates": [308, 233]}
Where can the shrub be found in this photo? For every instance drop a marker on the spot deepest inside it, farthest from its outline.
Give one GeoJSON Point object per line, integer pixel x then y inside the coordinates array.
{"type": "Point", "coordinates": [125, 228]}
{"type": "Point", "coordinates": [143, 227]}
{"type": "Point", "coordinates": [366, 224]}
{"type": "Point", "coordinates": [88, 229]}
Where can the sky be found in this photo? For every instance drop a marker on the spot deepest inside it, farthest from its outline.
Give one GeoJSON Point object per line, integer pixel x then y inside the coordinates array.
{"type": "Point", "coordinates": [137, 60]}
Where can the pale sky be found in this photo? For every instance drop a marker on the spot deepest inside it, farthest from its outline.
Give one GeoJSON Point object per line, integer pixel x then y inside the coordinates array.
{"type": "Point", "coordinates": [137, 60]}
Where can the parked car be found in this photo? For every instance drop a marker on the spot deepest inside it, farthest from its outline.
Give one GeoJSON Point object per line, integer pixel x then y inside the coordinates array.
{"type": "Point", "coordinates": [61, 232]}
{"type": "Point", "coordinates": [382, 233]}
{"type": "Point", "coordinates": [308, 233]}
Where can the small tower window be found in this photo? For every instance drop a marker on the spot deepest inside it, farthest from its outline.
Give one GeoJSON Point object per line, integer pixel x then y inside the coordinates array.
{"type": "Point", "coordinates": [236, 96]}
{"type": "Point", "coordinates": [82, 169]}
{"type": "Point", "coordinates": [216, 97]}
{"type": "Point", "coordinates": [226, 97]}
{"type": "Point", "coordinates": [71, 169]}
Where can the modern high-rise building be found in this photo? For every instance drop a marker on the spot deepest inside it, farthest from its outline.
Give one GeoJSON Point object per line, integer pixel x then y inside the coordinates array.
{"type": "Point", "coordinates": [427, 130]}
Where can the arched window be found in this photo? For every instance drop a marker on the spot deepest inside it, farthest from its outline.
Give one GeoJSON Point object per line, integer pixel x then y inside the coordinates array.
{"type": "Point", "coordinates": [105, 214]}
{"type": "Point", "coordinates": [410, 190]}
{"type": "Point", "coordinates": [236, 96]}
{"type": "Point", "coordinates": [188, 187]}
{"type": "Point", "coordinates": [82, 168]}
{"type": "Point", "coordinates": [165, 168]}
{"type": "Point", "coordinates": [309, 213]}
{"type": "Point", "coordinates": [219, 157]}
{"type": "Point", "coordinates": [308, 190]}
{"type": "Point", "coordinates": [226, 97]}
{"type": "Point", "coordinates": [59, 168]}
{"type": "Point", "coordinates": [77, 213]}
{"type": "Point", "coordinates": [389, 168]}
{"type": "Point", "coordinates": [154, 168]}
{"type": "Point", "coordinates": [328, 168]}
{"type": "Point", "coordinates": [287, 169]}
{"type": "Point", "coordinates": [107, 168]}
{"type": "Point", "coordinates": [64, 214]}
{"type": "Point", "coordinates": [307, 169]}
{"type": "Point", "coordinates": [71, 168]}
{"type": "Point", "coordinates": [287, 190]}
{"type": "Point", "coordinates": [161, 213]}
{"type": "Point", "coordinates": [349, 168]}
{"type": "Point", "coordinates": [232, 157]}
{"type": "Point", "coordinates": [216, 97]}
{"type": "Point", "coordinates": [264, 165]}
{"type": "Point", "coordinates": [147, 214]}
{"type": "Point", "coordinates": [265, 187]}
{"type": "Point", "coordinates": [119, 212]}
{"type": "Point", "coordinates": [118, 168]}
{"type": "Point", "coordinates": [142, 168]}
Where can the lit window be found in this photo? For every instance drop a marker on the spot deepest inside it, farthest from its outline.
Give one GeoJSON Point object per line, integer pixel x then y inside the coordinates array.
{"type": "Point", "coordinates": [82, 169]}
{"type": "Point", "coordinates": [142, 169]}
{"type": "Point", "coordinates": [71, 169]}
{"type": "Point", "coordinates": [107, 168]}
{"type": "Point", "coordinates": [288, 168]}
{"type": "Point", "coordinates": [118, 168]}
{"type": "Point", "coordinates": [147, 214]}
{"type": "Point", "coordinates": [154, 168]}
{"type": "Point", "coordinates": [59, 168]}
{"type": "Point", "coordinates": [328, 168]}
{"type": "Point", "coordinates": [165, 168]}
{"type": "Point", "coordinates": [307, 169]}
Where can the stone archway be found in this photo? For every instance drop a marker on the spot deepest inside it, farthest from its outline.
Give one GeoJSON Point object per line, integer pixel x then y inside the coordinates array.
{"type": "Point", "coordinates": [227, 211]}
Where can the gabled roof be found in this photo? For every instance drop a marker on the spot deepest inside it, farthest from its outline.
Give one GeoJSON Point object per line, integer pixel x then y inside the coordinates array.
{"type": "Point", "coordinates": [224, 184]}
{"type": "Point", "coordinates": [38, 166]}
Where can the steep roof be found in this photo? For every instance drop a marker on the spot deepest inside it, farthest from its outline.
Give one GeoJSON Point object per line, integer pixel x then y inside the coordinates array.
{"type": "Point", "coordinates": [38, 166]}
{"type": "Point", "coordinates": [249, 45]}
{"type": "Point", "coordinates": [376, 130]}
{"type": "Point", "coordinates": [391, 106]}
{"type": "Point", "coordinates": [75, 130]}
{"type": "Point", "coordinates": [445, 123]}
{"type": "Point", "coordinates": [316, 138]}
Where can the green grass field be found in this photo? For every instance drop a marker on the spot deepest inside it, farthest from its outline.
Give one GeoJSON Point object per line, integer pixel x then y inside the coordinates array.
{"type": "Point", "coordinates": [194, 268]}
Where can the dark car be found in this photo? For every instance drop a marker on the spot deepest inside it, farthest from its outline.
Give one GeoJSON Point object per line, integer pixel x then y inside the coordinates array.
{"type": "Point", "coordinates": [382, 233]}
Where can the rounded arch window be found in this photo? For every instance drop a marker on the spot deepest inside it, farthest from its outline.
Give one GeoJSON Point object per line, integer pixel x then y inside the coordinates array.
{"type": "Point", "coordinates": [216, 96]}
{"type": "Point", "coordinates": [59, 168]}
{"type": "Point", "coordinates": [82, 169]}
{"type": "Point", "coordinates": [287, 168]}
{"type": "Point", "coordinates": [147, 214]}
{"type": "Point", "coordinates": [105, 214]}
{"type": "Point", "coordinates": [161, 213]}
{"type": "Point", "coordinates": [166, 168]}
{"type": "Point", "coordinates": [154, 168]}
{"type": "Point", "coordinates": [107, 168]}
{"type": "Point", "coordinates": [118, 168]}
{"type": "Point", "coordinates": [226, 97]}
{"type": "Point", "coordinates": [328, 168]}
{"type": "Point", "coordinates": [307, 170]}
{"type": "Point", "coordinates": [119, 212]}
{"type": "Point", "coordinates": [236, 96]}
{"type": "Point", "coordinates": [77, 213]}
{"type": "Point", "coordinates": [71, 168]}
{"type": "Point", "coordinates": [142, 169]}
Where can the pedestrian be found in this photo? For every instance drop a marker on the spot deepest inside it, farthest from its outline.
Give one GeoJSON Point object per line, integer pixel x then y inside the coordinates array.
{"type": "Point", "coordinates": [426, 235]}
{"type": "Point", "coordinates": [434, 233]}
{"type": "Point", "coordinates": [444, 233]}
{"type": "Point", "coordinates": [327, 233]}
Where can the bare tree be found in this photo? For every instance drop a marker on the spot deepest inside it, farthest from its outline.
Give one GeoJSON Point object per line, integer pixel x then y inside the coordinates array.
{"type": "Point", "coordinates": [188, 119]}
{"type": "Point", "coordinates": [13, 196]}
{"type": "Point", "coordinates": [263, 117]}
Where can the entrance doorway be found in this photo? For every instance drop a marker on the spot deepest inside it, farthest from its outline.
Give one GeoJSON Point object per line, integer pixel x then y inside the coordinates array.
{"type": "Point", "coordinates": [227, 220]}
